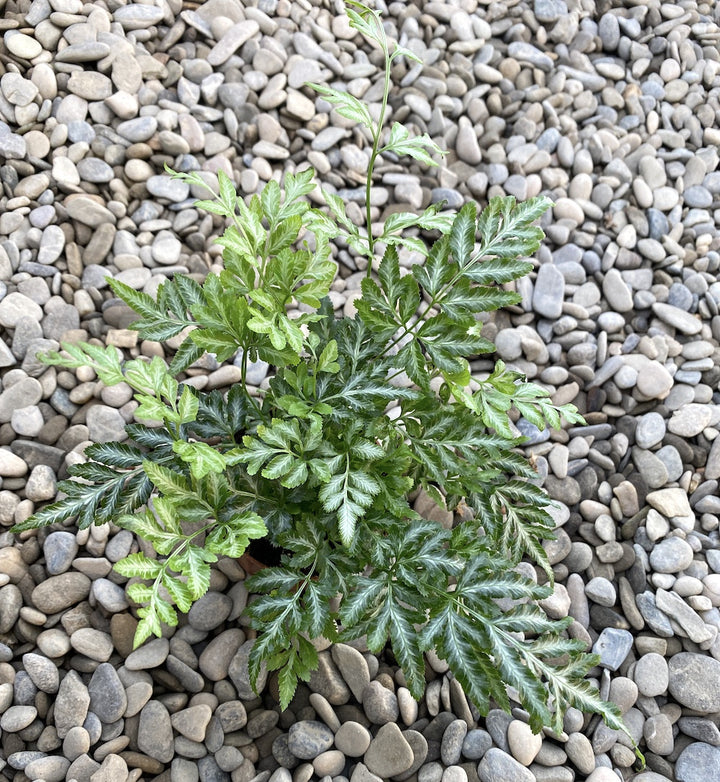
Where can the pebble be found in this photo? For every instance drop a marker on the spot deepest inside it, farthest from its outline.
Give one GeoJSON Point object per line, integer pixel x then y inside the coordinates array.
{"type": "Point", "coordinates": [650, 430]}
{"type": "Point", "coordinates": [548, 292]}
{"type": "Point", "coordinates": [671, 556]}
{"type": "Point", "coordinates": [60, 592]}
{"type": "Point", "coordinates": [16, 718]}
{"type": "Point", "coordinates": [683, 321]}
{"type": "Point", "coordinates": [651, 675]}
{"type": "Point", "coordinates": [452, 741]}
{"type": "Point", "coordinates": [670, 502]}
{"type": "Point", "coordinates": [239, 674]}
{"type": "Point", "coordinates": [380, 704]}
{"type": "Point", "coordinates": [308, 738]}
{"type": "Point", "coordinates": [497, 764]}
{"type": "Point", "coordinates": [352, 739]}
{"type": "Point", "coordinates": [523, 743]}
{"type": "Point", "coordinates": [694, 681]}
{"type": "Point", "coordinates": [698, 762]}
{"type": "Point", "coordinates": [107, 693]}
{"type": "Point", "coordinates": [71, 704]}
{"type": "Point", "coordinates": [389, 753]}
{"type": "Point", "coordinates": [580, 752]}
{"type": "Point", "coordinates": [155, 733]}
{"type": "Point", "coordinates": [690, 420]}
{"type": "Point", "coordinates": [42, 671]}
{"type": "Point", "coordinates": [613, 646]}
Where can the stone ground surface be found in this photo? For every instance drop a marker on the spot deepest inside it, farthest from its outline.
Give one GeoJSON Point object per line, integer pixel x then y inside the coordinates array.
{"type": "Point", "coordinates": [612, 109]}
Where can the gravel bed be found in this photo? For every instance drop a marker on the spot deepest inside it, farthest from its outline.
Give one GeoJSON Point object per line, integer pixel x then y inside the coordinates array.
{"type": "Point", "coordinates": [612, 109]}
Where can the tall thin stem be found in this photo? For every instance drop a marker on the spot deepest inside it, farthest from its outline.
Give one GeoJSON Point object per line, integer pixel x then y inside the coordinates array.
{"type": "Point", "coordinates": [382, 39]}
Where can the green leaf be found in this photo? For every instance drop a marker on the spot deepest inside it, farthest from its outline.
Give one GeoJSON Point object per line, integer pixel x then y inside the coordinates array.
{"type": "Point", "coordinates": [401, 51]}
{"type": "Point", "coordinates": [188, 353]}
{"type": "Point", "coordinates": [337, 209]}
{"type": "Point", "coordinates": [152, 409]}
{"type": "Point", "coordinates": [105, 361]}
{"type": "Point", "coordinates": [296, 187]}
{"type": "Point", "coordinates": [227, 191]}
{"type": "Point", "coordinates": [137, 300]}
{"type": "Point", "coordinates": [461, 300]}
{"type": "Point", "coordinates": [220, 415]}
{"type": "Point", "coordinates": [188, 405]}
{"type": "Point", "coordinates": [284, 234]}
{"type": "Point", "coordinates": [139, 593]}
{"type": "Point", "coordinates": [498, 270]}
{"type": "Point", "coordinates": [179, 591]}
{"type": "Point", "coordinates": [345, 104]}
{"type": "Point", "coordinates": [437, 271]}
{"type": "Point", "coordinates": [232, 537]}
{"type": "Point", "coordinates": [416, 147]}
{"type": "Point", "coordinates": [327, 362]}
{"type": "Point", "coordinates": [146, 526]}
{"type": "Point", "coordinates": [211, 206]}
{"type": "Point", "coordinates": [201, 457]}
{"type": "Point", "coordinates": [138, 566]}
{"type": "Point", "coordinates": [350, 493]}
{"type": "Point", "coordinates": [192, 562]}
{"type": "Point", "coordinates": [166, 480]}
{"type": "Point", "coordinates": [506, 227]}
{"type": "Point", "coordinates": [462, 235]}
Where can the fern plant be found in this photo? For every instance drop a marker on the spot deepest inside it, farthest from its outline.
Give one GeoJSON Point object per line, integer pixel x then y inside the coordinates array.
{"type": "Point", "coordinates": [314, 464]}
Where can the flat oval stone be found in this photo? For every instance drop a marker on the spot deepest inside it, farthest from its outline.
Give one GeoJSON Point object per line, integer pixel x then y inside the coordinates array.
{"type": "Point", "coordinates": [683, 321]}
{"type": "Point", "coordinates": [60, 592]}
{"type": "Point", "coordinates": [59, 548]}
{"type": "Point", "coordinates": [43, 672]}
{"type": "Point", "coordinates": [151, 654]}
{"type": "Point", "coordinates": [698, 762]}
{"type": "Point", "coordinates": [71, 704]}
{"type": "Point", "coordinates": [308, 738]}
{"type": "Point", "coordinates": [22, 45]}
{"type": "Point", "coordinates": [92, 643]}
{"type": "Point", "coordinates": [352, 739]}
{"type": "Point", "coordinates": [694, 681]}
{"type": "Point", "coordinates": [50, 769]}
{"type": "Point", "coordinates": [210, 611]}
{"type": "Point", "coordinates": [497, 764]}
{"type": "Point", "coordinates": [17, 717]}
{"type": "Point", "coordinates": [671, 555]}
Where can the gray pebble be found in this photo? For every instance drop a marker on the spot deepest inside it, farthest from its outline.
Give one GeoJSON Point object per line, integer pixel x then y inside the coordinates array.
{"type": "Point", "coordinates": [107, 694]}
{"type": "Point", "coordinates": [613, 646]}
{"type": "Point", "coordinates": [694, 681]}
{"type": "Point", "coordinates": [549, 292]}
{"type": "Point", "coordinates": [671, 556]}
{"type": "Point", "coordinates": [651, 675]}
{"type": "Point", "coordinates": [698, 762]}
{"type": "Point", "coordinates": [308, 738]}
{"type": "Point", "coordinates": [43, 672]}
{"type": "Point", "coordinates": [59, 548]}
{"type": "Point", "coordinates": [496, 764]}
{"type": "Point", "coordinates": [389, 752]}
{"type": "Point", "coordinates": [210, 611]}
{"type": "Point", "coordinates": [155, 733]}
{"type": "Point", "coordinates": [380, 704]}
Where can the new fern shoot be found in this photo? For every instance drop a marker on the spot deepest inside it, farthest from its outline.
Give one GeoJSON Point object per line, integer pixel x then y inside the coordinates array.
{"type": "Point", "coordinates": [315, 465]}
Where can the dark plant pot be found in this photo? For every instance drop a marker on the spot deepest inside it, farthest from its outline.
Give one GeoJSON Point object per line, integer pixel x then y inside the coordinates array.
{"type": "Point", "coordinates": [259, 555]}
